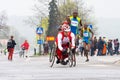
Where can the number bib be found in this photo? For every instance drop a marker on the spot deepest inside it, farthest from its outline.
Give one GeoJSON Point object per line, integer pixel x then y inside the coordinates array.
{"type": "Point", "coordinates": [65, 40]}
{"type": "Point", "coordinates": [74, 23]}
{"type": "Point", "coordinates": [86, 34]}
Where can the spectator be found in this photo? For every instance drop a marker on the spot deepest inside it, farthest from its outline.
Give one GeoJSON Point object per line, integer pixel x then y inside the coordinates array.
{"type": "Point", "coordinates": [34, 51]}
{"type": "Point", "coordinates": [93, 46]}
{"type": "Point", "coordinates": [112, 46]}
{"type": "Point", "coordinates": [100, 46]}
{"type": "Point", "coordinates": [10, 46]}
{"type": "Point", "coordinates": [104, 46]}
{"type": "Point", "coordinates": [117, 47]}
{"type": "Point", "coordinates": [46, 48]}
{"type": "Point", "coordinates": [25, 45]}
{"type": "Point", "coordinates": [110, 50]}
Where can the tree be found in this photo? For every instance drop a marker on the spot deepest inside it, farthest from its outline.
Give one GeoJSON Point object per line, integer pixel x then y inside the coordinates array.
{"type": "Point", "coordinates": [3, 19]}
{"type": "Point", "coordinates": [53, 18]}
{"type": "Point", "coordinates": [40, 17]}
{"type": "Point", "coordinates": [4, 32]}
{"type": "Point", "coordinates": [40, 10]}
{"type": "Point", "coordinates": [4, 28]}
{"type": "Point", "coordinates": [67, 7]}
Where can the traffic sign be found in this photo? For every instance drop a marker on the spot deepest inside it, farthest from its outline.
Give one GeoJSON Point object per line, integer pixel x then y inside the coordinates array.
{"type": "Point", "coordinates": [39, 30]}
{"type": "Point", "coordinates": [40, 41]}
{"type": "Point", "coordinates": [50, 38]}
{"type": "Point", "coordinates": [90, 26]}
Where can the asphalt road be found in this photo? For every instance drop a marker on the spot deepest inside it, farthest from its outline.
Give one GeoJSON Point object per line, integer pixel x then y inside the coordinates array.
{"type": "Point", "coordinates": [37, 68]}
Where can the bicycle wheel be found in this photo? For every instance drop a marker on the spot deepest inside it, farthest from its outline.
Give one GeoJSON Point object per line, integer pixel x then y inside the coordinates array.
{"type": "Point", "coordinates": [52, 56]}
{"type": "Point", "coordinates": [70, 59]}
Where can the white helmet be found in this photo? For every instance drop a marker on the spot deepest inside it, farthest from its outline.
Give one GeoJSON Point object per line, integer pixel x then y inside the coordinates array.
{"type": "Point", "coordinates": [66, 28]}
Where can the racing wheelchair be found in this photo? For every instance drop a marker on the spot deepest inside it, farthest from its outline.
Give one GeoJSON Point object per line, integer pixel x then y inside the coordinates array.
{"type": "Point", "coordinates": [71, 59]}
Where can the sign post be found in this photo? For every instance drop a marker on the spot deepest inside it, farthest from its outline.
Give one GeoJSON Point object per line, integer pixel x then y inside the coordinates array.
{"type": "Point", "coordinates": [39, 31]}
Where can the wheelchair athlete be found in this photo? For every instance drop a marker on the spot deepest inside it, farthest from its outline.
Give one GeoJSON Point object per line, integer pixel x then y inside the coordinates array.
{"type": "Point", "coordinates": [64, 40]}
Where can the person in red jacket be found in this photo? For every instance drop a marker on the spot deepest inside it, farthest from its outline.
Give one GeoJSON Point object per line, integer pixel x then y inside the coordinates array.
{"type": "Point", "coordinates": [25, 45]}
{"type": "Point", "coordinates": [10, 46]}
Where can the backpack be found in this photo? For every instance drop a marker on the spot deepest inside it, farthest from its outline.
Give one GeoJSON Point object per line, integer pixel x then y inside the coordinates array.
{"type": "Point", "coordinates": [9, 44]}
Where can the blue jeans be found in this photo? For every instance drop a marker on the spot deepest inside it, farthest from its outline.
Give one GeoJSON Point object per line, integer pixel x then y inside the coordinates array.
{"type": "Point", "coordinates": [99, 52]}
{"type": "Point", "coordinates": [92, 51]}
{"type": "Point", "coordinates": [116, 50]}
{"type": "Point", "coordinates": [110, 51]}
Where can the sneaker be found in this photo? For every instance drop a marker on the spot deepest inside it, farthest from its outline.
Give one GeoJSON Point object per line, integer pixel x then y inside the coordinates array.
{"type": "Point", "coordinates": [87, 60]}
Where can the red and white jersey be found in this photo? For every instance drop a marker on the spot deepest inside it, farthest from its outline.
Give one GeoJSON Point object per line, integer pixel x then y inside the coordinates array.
{"type": "Point", "coordinates": [61, 39]}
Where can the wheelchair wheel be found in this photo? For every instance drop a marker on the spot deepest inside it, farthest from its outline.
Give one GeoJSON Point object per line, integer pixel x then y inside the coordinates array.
{"type": "Point", "coordinates": [70, 59]}
{"type": "Point", "coordinates": [51, 53]}
{"type": "Point", "coordinates": [52, 56]}
{"type": "Point", "coordinates": [74, 60]}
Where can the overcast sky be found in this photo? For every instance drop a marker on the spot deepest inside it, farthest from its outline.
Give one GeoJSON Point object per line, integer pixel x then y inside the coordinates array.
{"type": "Point", "coordinates": [107, 13]}
{"type": "Point", "coordinates": [104, 11]}
{"type": "Point", "coordinates": [17, 7]}
{"type": "Point", "coordinates": [102, 8]}
{"type": "Point", "coordinates": [105, 8]}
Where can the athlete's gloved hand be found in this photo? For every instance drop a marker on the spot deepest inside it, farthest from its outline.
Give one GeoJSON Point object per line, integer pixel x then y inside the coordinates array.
{"type": "Point", "coordinates": [64, 51]}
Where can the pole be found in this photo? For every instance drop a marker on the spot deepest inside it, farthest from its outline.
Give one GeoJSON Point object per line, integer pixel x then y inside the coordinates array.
{"type": "Point", "coordinates": [40, 38]}
{"type": "Point", "coordinates": [34, 51]}
{"type": "Point", "coordinates": [39, 45]}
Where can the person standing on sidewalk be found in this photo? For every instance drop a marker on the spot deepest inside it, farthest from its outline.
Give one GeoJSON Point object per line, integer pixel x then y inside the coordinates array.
{"type": "Point", "coordinates": [92, 47]}
{"type": "Point", "coordinates": [110, 49]}
{"type": "Point", "coordinates": [117, 47]}
{"type": "Point", "coordinates": [46, 48]}
{"type": "Point", "coordinates": [10, 46]}
{"type": "Point", "coordinates": [26, 46]}
{"type": "Point", "coordinates": [100, 46]}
